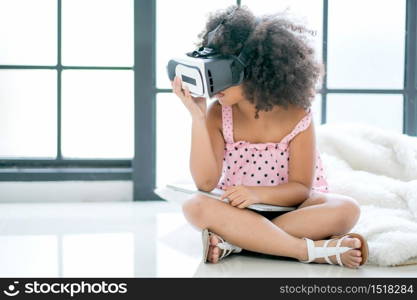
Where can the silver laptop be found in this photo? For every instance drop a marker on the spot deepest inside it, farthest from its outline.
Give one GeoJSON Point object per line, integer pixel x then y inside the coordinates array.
{"type": "Point", "coordinates": [216, 193]}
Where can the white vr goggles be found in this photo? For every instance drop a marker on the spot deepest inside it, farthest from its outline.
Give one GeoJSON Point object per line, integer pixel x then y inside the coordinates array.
{"type": "Point", "coordinates": [206, 72]}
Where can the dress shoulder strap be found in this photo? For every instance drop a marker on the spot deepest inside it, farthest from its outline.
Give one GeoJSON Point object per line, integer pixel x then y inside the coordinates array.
{"type": "Point", "coordinates": [227, 118]}
{"type": "Point", "coordinates": [301, 126]}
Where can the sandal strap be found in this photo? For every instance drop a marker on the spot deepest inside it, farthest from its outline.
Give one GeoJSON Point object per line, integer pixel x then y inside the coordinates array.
{"type": "Point", "coordinates": [326, 258]}
{"type": "Point", "coordinates": [339, 242]}
{"type": "Point", "coordinates": [324, 252]}
{"type": "Point", "coordinates": [225, 253]}
{"type": "Point", "coordinates": [227, 248]}
{"type": "Point", "coordinates": [310, 251]}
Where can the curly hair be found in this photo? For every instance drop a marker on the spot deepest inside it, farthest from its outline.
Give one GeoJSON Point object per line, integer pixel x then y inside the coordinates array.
{"type": "Point", "coordinates": [282, 69]}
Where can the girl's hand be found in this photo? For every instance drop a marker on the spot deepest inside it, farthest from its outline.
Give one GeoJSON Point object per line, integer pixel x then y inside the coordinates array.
{"type": "Point", "coordinates": [240, 196]}
{"type": "Point", "coordinates": [196, 106]}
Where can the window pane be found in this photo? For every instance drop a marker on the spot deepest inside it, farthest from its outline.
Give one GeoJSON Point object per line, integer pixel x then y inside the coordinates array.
{"type": "Point", "coordinates": [173, 142]}
{"type": "Point", "coordinates": [367, 52]}
{"type": "Point", "coordinates": [361, 108]}
{"type": "Point", "coordinates": [97, 114]}
{"type": "Point", "coordinates": [307, 12]}
{"type": "Point", "coordinates": [28, 32]}
{"type": "Point", "coordinates": [178, 25]}
{"type": "Point", "coordinates": [97, 32]}
{"type": "Point", "coordinates": [28, 125]}
{"type": "Point", "coordinates": [316, 108]}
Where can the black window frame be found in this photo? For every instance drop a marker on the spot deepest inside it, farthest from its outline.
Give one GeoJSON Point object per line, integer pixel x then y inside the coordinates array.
{"type": "Point", "coordinates": [142, 168]}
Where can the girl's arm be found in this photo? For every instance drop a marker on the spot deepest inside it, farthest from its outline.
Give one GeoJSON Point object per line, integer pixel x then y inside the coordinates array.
{"type": "Point", "coordinates": [286, 194]}
{"type": "Point", "coordinates": [206, 138]}
{"type": "Point", "coordinates": [300, 172]}
{"type": "Point", "coordinates": [207, 149]}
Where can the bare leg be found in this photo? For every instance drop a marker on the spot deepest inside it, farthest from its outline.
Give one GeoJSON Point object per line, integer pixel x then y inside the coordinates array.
{"type": "Point", "coordinates": [323, 215]}
{"type": "Point", "coordinates": [253, 232]}
{"type": "Point", "coordinates": [320, 216]}
{"type": "Point", "coordinates": [241, 227]}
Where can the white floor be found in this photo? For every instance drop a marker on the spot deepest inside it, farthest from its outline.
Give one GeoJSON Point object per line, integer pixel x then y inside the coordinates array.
{"type": "Point", "coordinates": [131, 239]}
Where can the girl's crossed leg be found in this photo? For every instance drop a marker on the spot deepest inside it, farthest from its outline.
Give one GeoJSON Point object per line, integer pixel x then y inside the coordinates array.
{"type": "Point", "coordinates": [318, 217]}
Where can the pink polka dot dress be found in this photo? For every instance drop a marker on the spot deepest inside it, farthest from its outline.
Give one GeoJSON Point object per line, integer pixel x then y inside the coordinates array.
{"type": "Point", "coordinates": [262, 164]}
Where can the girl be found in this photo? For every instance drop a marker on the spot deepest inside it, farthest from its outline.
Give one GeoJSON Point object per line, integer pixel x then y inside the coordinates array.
{"type": "Point", "coordinates": [257, 143]}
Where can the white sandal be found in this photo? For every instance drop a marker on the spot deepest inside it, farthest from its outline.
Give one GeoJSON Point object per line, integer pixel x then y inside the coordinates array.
{"type": "Point", "coordinates": [225, 246]}
{"type": "Point", "coordinates": [324, 252]}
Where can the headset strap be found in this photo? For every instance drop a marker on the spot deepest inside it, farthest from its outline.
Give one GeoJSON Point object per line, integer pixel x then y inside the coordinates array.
{"type": "Point", "coordinates": [244, 55]}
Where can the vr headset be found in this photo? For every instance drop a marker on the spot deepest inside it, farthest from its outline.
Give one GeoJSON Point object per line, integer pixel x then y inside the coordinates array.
{"type": "Point", "coordinates": [206, 72]}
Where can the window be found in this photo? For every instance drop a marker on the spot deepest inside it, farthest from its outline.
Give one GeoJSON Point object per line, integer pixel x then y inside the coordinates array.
{"type": "Point", "coordinates": [67, 87]}
{"type": "Point", "coordinates": [366, 53]}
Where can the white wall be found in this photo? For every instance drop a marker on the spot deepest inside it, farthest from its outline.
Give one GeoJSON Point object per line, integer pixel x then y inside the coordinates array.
{"type": "Point", "coordinates": [66, 191]}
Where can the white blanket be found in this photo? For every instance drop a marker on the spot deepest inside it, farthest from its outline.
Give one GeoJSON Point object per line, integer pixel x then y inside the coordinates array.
{"type": "Point", "coordinates": [379, 169]}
